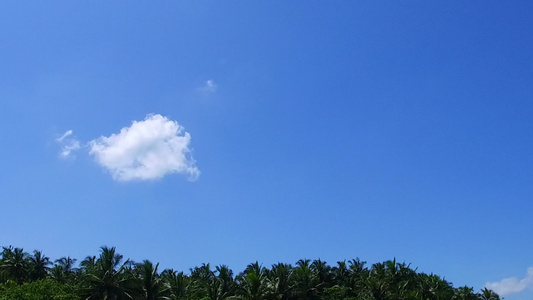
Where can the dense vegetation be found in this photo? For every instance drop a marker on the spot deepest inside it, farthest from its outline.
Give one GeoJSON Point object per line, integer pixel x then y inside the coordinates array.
{"type": "Point", "coordinates": [110, 276]}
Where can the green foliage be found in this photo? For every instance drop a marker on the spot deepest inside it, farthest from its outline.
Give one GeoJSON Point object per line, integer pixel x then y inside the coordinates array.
{"type": "Point", "coordinates": [111, 277]}
{"type": "Point", "coordinates": [14, 265]}
{"type": "Point", "coordinates": [337, 293]}
{"type": "Point", "coordinates": [44, 289]}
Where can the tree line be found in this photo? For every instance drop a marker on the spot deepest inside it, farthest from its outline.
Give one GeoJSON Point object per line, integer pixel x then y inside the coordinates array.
{"type": "Point", "coordinates": [112, 277]}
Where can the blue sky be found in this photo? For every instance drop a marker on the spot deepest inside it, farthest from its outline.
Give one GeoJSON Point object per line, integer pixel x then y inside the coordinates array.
{"type": "Point", "coordinates": [272, 131]}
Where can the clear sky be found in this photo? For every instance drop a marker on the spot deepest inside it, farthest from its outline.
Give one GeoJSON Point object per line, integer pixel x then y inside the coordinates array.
{"type": "Point", "coordinates": [227, 132]}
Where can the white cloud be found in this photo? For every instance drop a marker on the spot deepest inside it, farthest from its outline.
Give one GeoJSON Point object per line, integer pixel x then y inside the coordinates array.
{"type": "Point", "coordinates": [66, 134]}
{"type": "Point", "coordinates": [68, 145]}
{"type": "Point", "coordinates": [146, 150]}
{"type": "Point", "coordinates": [512, 285]}
{"type": "Point", "coordinates": [209, 87]}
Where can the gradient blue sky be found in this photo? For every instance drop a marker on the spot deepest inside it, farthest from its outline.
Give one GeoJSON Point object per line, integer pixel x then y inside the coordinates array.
{"type": "Point", "coordinates": [330, 129]}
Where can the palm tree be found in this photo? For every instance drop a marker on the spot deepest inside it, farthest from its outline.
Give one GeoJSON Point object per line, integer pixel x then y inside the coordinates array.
{"type": "Point", "coordinates": [357, 276]}
{"type": "Point", "coordinates": [340, 276]}
{"type": "Point", "coordinates": [201, 277]}
{"type": "Point", "coordinates": [252, 282]}
{"type": "Point", "coordinates": [64, 268]}
{"type": "Point", "coordinates": [110, 279]}
{"type": "Point", "coordinates": [305, 282]}
{"type": "Point", "coordinates": [14, 264]}
{"type": "Point", "coordinates": [152, 285]}
{"type": "Point", "coordinates": [387, 280]}
{"type": "Point", "coordinates": [87, 265]}
{"type": "Point", "coordinates": [66, 263]}
{"type": "Point", "coordinates": [340, 273]}
{"type": "Point", "coordinates": [225, 284]}
{"type": "Point", "coordinates": [279, 284]}
{"type": "Point", "coordinates": [399, 278]}
{"type": "Point", "coordinates": [178, 284]}
{"type": "Point", "coordinates": [434, 287]}
{"type": "Point", "coordinates": [375, 288]}
{"type": "Point", "coordinates": [57, 274]}
{"type": "Point", "coordinates": [487, 294]}
{"type": "Point", "coordinates": [465, 293]}
{"type": "Point", "coordinates": [38, 265]}
{"type": "Point", "coordinates": [322, 273]}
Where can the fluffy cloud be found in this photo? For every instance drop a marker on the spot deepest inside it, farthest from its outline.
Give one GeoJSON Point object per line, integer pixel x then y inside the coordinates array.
{"type": "Point", "coordinates": [146, 150]}
{"type": "Point", "coordinates": [511, 285]}
{"type": "Point", "coordinates": [209, 87]}
{"type": "Point", "coordinates": [68, 145]}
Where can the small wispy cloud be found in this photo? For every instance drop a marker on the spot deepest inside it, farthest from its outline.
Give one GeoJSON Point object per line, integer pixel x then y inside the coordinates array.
{"type": "Point", "coordinates": [209, 87]}
{"type": "Point", "coordinates": [65, 135]}
{"type": "Point", "coordinates": [512, 285]}
{"type": "Point", "coordinates": [68, 145]}
{"type": "Point", "coordinates": [147, 150]}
